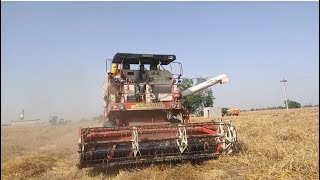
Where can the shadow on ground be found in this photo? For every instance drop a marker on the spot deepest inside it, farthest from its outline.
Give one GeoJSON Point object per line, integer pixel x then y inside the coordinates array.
{"type": "Point", "coordinates": [114, 171]}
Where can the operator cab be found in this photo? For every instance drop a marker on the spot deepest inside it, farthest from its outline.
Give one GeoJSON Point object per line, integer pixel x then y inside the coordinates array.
{"type": "Point", "coordinates": [133, 66]}
{"type": "Point", "coordinates": [144, 76]}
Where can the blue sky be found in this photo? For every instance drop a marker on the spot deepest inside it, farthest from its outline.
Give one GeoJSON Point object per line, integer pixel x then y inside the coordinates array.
{"type": "Point", "coordinates": [53, 53]}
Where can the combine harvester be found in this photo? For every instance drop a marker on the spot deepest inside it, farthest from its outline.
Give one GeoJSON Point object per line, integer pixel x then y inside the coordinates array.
{"type": "Point", "coordinates": [145, 120]}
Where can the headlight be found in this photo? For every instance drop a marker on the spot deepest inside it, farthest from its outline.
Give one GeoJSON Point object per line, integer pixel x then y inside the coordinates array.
{"type": "Point", "coordinates": [121, 106]}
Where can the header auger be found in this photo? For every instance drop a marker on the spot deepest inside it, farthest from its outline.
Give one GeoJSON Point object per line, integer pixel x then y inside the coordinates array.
{"type": "Point", "coordinates": [145, 120]}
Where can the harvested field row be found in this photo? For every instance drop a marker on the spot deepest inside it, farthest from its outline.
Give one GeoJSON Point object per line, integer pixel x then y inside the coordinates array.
{"type": "Point", "coordinates": [272, 145]}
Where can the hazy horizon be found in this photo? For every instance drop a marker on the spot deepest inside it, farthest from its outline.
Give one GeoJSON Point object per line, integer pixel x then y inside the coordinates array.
{"type": "Point", "coordinates": [53, 53]}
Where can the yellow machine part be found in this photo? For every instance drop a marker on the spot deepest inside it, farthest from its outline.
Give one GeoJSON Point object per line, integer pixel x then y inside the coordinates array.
{"type": "Point", "coordinates": [233, 111]}
{"type": "Point", "coordinates": [114, 68]}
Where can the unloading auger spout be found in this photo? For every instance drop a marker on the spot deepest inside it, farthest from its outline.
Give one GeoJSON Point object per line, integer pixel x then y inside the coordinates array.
{"type": "Point", "coordinates": [223, 78]}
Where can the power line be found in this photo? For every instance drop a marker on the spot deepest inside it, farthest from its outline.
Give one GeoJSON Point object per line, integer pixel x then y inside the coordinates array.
{"type": "Point", "coordinates": [285, 92]}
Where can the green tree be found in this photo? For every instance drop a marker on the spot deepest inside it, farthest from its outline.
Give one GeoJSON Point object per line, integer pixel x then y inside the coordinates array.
{"type": "Point", "coordinates": [207, 94]}
{"type": "Point", "coordinates": [292, 104]}
{"type": "Point", "coordinates": [224, 111]}
{"type": "Point", "coordinates": [197, 101]}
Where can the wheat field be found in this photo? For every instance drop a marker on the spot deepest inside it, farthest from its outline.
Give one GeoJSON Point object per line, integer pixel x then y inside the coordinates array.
{"type": "Point", "coordinates": [272, 145]}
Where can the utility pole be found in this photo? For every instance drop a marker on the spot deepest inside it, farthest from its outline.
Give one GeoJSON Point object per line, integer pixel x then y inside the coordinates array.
{"type": "Point", "coordinates": [22, 115]}
{"type": "Point", "coordinates": [285, 92]}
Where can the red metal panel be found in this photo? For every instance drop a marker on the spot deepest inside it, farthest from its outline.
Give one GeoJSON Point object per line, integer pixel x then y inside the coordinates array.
{"type": "Point", "coordinates": [145, 106]}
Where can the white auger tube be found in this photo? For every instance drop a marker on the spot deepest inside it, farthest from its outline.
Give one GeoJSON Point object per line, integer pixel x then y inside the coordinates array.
{"type": "Point", "coordinates": [223, 78]}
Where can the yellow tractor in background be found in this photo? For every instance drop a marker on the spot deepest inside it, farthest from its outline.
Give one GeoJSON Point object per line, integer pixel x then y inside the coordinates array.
{"type": "Point", "coordinates": [233, 112]}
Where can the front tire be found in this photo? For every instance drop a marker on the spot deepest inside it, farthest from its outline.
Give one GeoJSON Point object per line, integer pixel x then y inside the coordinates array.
{"type": "Point", "coordinates": [107, 123]}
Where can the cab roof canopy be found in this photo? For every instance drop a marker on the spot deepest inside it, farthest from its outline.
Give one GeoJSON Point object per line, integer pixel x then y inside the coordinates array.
{"type": "Point", "coordinates": [144, 58]}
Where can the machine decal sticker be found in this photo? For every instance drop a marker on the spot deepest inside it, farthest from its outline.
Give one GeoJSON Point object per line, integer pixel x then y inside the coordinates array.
{"type": "Point", "coordinates": [147, 105]}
